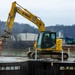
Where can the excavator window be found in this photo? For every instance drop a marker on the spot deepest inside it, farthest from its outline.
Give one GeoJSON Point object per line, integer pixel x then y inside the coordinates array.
{"type": "Point", "coordinates": [46, 39]}
{"type": "Point", "coordinates": [39, 39]}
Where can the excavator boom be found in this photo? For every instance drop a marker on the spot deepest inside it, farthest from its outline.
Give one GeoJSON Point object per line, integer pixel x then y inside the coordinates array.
{"type": "Point", "coordinates": [16, 8]}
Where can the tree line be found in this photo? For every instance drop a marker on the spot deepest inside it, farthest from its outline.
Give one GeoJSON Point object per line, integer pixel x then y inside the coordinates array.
{"type": "Point", "coordinates": [68, 31]}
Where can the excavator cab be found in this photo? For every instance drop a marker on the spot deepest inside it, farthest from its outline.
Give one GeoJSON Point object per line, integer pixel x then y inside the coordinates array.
{"type": "Point", "coordinates": [48, 45]}
{"type": "Point", "coordinates": [46, 39]}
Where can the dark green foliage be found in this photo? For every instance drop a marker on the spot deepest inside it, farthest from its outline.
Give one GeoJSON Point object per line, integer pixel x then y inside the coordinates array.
{"type": "Point", "coordinates": [19, 28]}
{"type": "Point", "coordinates": [70, 41]}
{"type": "Point", "coordinates": [68, 31]}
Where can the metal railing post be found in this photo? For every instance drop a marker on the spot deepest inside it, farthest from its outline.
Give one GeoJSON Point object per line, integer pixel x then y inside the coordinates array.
{"type": "Point", "coordinates": [29, 49]}
{"type": "Point", "coordinates": [62, 55]}
{"type": "Point", "coordinates": [35, 54]}
{"type": "Point", "coordinates": [69, 52]}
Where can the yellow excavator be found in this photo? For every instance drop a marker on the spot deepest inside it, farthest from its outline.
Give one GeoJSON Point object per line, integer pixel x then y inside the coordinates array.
{"type": "Point", "coordinates": [46, 44]}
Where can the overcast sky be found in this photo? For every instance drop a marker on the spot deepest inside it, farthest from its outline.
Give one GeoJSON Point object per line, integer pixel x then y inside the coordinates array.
{"type": "Point", "coordinates": [50, 11]}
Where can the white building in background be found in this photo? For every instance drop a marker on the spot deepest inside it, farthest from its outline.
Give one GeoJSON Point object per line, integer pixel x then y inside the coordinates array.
{"type": "Point", "coordinates": [24, 37]}
{"type": "Point", "coordinates": [61, 34]}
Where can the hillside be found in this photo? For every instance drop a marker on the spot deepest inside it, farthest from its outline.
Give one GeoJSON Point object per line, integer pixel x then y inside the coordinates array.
{"type": "Point", "coordinates": [18, 28]}
{"type": "Point", "coordinates": [68, 31]}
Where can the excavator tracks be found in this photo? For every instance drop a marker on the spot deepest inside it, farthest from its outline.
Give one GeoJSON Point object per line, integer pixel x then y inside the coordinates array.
{"type": "Point", "coordinates": [53, 55]}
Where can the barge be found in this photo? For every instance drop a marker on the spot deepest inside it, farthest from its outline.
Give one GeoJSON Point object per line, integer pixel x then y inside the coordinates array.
{"type": "Point", "coordinates": [25, 66]}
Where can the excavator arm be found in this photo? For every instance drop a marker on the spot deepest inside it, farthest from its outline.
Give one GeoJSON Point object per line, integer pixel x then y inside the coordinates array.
{"type": "Point", "coordinates": [16, 8]}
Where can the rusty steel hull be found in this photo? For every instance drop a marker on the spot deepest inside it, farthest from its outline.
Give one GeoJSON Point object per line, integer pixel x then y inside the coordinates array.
{"type": "Point", "coordinates": [37, 67]}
